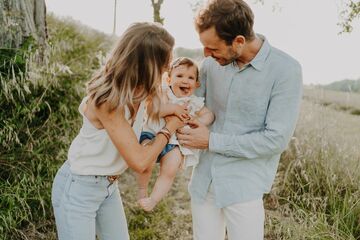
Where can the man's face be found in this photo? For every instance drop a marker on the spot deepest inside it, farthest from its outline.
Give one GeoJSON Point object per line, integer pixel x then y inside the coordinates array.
{"type": "Point", "coordinates": [217, 48]}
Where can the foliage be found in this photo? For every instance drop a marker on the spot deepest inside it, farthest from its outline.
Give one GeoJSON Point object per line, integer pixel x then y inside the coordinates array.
{"type": "Point", "coordinates": [170, 219]}
{"type": "Point", "coordinates": [38, 119]}
{"type": "Point", "coordinates": [13, 60]}
{"type": "Point", "coordinates": [349, 15]}
{"type": "Point", "coordinates": [317, 187]}
{"type": "Point", "coordinates": [156, 4]}
{"type": "Point", "coordinates": [315, 196]}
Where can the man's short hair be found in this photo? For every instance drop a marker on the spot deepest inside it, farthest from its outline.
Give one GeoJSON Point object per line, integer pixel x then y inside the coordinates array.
{"type": "Point", "coordinates": [229, 17]}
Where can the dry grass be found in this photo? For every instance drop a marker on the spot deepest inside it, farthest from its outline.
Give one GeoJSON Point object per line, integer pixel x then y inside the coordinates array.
{"type": "Point", "coordinates": [342, 101]}
{"type": "Point", "coordinates": [315, 195]}
{"type": "Point", "coordinates": [171, 219]}
{"type": "Point", "coordinates": [317, 189]}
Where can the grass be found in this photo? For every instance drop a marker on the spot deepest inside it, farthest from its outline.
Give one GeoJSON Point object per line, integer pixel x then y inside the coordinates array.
{"type": "Point", "coordinates": [341, 101]}
{"type": "Point", "coordinates": [38, 120]}
{"type": "Point", "coordinates": [171, 219]}
{"type": "Point", "coordinates": [355, 112]}
{"type": "Point", "coordinates": [318, 187]}
{"type": "Point", "coordinates": [316, 190]}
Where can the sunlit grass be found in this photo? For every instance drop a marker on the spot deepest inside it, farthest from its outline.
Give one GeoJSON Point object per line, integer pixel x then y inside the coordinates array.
{"type": "Point", "coordinates": [342, 101]}
{"type": "Point", "coordinates": [315, 196]}
{"type": "Point", "coordinates": [38, 109]}
{"type": "Point", "coordinates": [317, 188]}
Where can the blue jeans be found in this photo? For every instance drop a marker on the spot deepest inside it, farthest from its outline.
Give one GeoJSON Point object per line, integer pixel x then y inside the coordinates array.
{"type": "Point", "coordinates": [86, 206]}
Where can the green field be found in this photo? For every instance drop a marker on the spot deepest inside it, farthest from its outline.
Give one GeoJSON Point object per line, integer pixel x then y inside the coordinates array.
{"type": "Point", "coordinates": [315, 196]}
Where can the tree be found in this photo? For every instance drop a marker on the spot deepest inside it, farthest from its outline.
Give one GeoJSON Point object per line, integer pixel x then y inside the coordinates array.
{"type": "Point", "coordinates": [156, 4]}
{"type": "Point", "coordinates": [22, 20]}
{"type": "Point", "coordinates": [349, 14]}
{"type": "Point", "coordinates": [115, 10]}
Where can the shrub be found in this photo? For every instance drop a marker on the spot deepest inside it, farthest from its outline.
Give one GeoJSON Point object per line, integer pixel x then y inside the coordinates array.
{"type": "Point", "coordinates": [39, 117]}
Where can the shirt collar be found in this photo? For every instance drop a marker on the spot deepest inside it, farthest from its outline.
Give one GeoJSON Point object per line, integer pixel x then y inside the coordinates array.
{"type": "Point", "coordinates": [260, 58]}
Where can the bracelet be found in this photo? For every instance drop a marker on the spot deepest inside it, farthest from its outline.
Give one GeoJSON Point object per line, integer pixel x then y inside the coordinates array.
{"type": "Point", "coordinates": [164, 131]}
{"type": "Point", "coordinates": [165, 135]}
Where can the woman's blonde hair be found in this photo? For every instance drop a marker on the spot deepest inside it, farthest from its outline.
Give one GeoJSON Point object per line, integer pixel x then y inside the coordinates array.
{"type": "Point", "coordinates": [133, 71]}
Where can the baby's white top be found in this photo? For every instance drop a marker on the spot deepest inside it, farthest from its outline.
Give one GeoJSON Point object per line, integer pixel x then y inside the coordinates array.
{"type": "Point", "coordinates": [194, 104]}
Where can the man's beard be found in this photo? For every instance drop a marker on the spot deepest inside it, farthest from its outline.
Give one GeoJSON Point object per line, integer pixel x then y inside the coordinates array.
{"type": "Point", "coordinates": [233, 56]}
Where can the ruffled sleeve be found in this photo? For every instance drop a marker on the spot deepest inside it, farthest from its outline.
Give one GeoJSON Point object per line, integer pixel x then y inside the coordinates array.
{"type": "Point", "coordinates": [196, 103]}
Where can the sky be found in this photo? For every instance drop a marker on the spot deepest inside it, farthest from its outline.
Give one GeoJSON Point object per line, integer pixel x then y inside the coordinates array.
{"type": "Point", "coordinates": [306, 29]}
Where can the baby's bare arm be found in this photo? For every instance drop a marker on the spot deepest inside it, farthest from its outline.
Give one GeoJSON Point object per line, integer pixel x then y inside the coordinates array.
{"type": "Point", "coordinates": [168, 109]}
{"type": "Point", "coordinates": [205, 116]}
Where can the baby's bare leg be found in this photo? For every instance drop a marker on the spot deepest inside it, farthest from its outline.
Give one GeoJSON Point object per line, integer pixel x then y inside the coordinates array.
{"type": "Point", "coordinates": [143, 180]}
{"type": "Point", "coordinates": [170, 164]}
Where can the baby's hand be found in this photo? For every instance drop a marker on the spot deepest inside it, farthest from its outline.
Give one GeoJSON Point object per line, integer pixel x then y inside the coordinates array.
{"type": "Point", "coordinates": [182, 112]}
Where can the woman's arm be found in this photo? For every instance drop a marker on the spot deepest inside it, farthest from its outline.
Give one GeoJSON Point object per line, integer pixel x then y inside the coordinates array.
{"type": "Point", "coordinates": [138, 157]}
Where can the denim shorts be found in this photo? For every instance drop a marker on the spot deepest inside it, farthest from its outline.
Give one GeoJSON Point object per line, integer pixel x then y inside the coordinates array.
{"type": "Point", "coordinates": [150, 136]}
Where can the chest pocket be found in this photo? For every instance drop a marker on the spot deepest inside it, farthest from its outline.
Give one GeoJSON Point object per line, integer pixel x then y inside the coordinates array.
{"type": "Point", "coordinates": [249, 102]}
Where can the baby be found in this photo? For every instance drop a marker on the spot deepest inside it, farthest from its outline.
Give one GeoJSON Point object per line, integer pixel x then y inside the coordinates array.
{"type": "Point", "coordinates": [177, 99]}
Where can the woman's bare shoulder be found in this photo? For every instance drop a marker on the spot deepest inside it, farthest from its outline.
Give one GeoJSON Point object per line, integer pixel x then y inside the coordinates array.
{"type": "Point", "coordinates": [98, 114]}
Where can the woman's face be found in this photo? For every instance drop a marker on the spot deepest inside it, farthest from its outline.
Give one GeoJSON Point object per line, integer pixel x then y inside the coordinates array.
{"type": "Point", "coordinates": [183, 80]}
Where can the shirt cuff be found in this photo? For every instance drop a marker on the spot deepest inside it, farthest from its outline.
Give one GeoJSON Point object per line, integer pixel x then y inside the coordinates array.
{"type": "Point", "coordinates": [214, 145]}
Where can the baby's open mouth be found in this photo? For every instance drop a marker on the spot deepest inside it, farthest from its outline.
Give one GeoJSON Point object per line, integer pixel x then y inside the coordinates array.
{"type": "Point", "coordinates": [185, 90]}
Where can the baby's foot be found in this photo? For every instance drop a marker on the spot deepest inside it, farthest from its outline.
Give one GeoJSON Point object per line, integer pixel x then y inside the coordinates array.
{"type": "Point", "coordinates": [147, 204]}
{"type": "Point", "coordinates": [142, 193]}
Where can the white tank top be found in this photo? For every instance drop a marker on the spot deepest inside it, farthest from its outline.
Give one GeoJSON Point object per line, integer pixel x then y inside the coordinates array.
{"type": "Point", "coordinates": [92, 151]}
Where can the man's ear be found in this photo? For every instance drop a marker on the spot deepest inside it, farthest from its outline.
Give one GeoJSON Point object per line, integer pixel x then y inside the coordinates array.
{"type": "Point", "coordinates": [238, 41]}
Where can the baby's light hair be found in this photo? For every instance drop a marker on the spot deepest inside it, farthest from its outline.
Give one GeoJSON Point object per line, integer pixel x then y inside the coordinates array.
{"type": "Point", "coordinates": [183, 61]}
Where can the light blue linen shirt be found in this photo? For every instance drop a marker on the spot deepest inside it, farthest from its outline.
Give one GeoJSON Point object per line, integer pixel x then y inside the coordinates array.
{"type": "Point", "coordinates": [256, 110]}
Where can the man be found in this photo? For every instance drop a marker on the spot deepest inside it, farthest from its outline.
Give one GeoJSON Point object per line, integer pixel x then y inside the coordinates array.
{"type": "Point", "coordinates": [254, 91]}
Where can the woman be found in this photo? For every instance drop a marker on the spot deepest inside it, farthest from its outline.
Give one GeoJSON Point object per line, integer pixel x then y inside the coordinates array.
{"type": "Point", "coordinates": [85, 194]}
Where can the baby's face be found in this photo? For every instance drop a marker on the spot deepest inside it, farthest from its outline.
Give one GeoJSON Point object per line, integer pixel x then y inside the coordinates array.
{"type": "Point", "coordinates": [183, 80]}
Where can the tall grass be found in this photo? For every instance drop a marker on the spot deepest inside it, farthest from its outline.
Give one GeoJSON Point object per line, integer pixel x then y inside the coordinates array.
{"type": "Point", "coordinates": [38, 109]}
{"type": "Point", "coordinates": [317, 188]}
{"type": "Point", "coordinates": [341, 101]}
{"type": "Point", "coordinates": [315, 196]}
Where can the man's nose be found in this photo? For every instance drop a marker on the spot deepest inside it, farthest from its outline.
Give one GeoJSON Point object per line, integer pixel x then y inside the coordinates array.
{"type": "Point", "coordinates": [207, 52]}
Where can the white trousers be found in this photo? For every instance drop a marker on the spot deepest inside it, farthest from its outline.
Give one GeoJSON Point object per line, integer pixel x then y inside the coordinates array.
{"type": "Point", "coordinates": [241, 221]}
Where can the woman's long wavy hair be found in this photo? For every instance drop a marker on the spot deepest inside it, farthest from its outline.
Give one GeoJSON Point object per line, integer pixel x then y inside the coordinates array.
{"type": "Point", "coordinates": [133, 71]}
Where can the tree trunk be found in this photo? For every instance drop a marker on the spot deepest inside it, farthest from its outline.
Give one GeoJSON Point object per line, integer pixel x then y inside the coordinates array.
{"type": "Point", "coordinates": [156, 4]}
{"type": "Point", "coordinates": [21, 20]}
